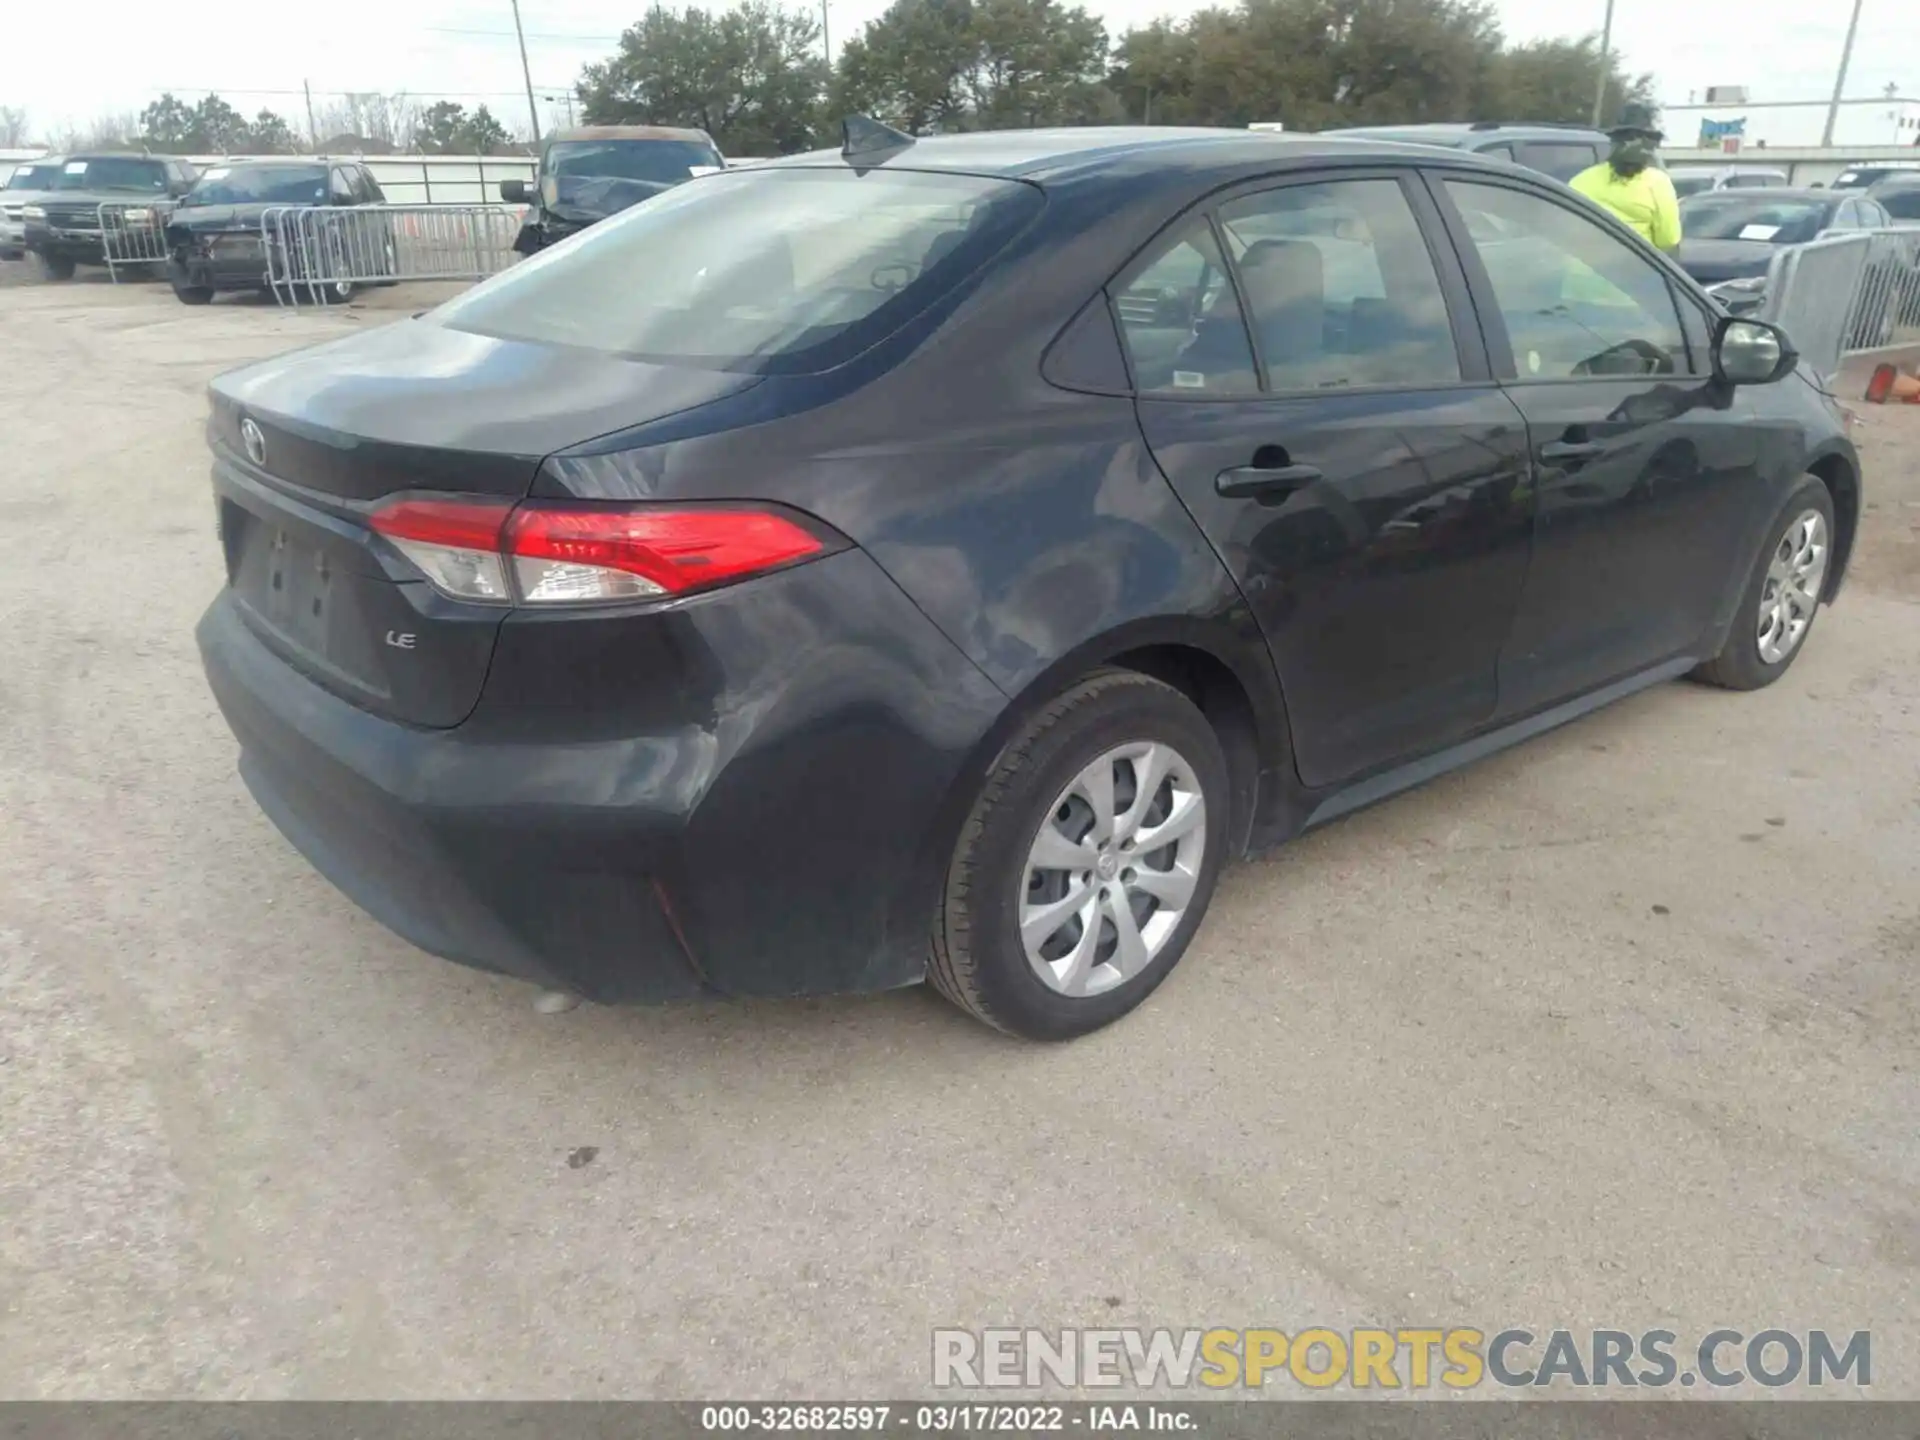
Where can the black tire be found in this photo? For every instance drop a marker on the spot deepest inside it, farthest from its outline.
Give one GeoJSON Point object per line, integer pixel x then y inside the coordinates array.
{"type": "Point", "coordinates": [56, 267]}
{"type": "Point", "coordinates": [978, 960]}
{"type": "Point", "coordinates": [1740, 665]}
{"type": "Point", "coordinates": [184, 290]}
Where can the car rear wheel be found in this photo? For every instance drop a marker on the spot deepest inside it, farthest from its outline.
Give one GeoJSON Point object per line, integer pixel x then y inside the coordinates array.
{"type": "Point", "coordinates": [1782, 596]}
{"type": "Point", "coordinates": [1088, 860]}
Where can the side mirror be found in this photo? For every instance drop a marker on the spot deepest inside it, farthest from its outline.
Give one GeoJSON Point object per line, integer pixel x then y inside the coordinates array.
{"type": "Point", "coordinates": [1752, 352]}
{"type": "Point", "coordinates": [514, 192]}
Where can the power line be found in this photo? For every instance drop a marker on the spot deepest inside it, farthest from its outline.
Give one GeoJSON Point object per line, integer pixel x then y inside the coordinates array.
{"type": "Point", "coordinates": [407, 93]}
{"type": "Point", "coordinates": [531, 34]}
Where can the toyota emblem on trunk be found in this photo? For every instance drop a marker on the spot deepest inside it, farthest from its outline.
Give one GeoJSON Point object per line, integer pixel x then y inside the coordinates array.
{"type": "Point", "coordinates": [255, 442]}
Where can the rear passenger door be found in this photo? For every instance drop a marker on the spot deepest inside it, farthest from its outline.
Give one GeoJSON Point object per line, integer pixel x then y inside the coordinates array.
{"type": "Point", "coordinates": [1309, 379]}
{"type": "Point", "coordinates": [1645, 466]}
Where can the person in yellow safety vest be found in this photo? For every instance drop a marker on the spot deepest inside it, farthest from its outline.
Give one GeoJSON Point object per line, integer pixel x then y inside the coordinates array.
{"type": "Point", "coordinates": [1629, 184]}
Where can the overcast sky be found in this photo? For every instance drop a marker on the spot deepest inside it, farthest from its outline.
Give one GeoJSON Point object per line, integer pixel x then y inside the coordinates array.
{"type": "Point", "coordinates": [1779, 49]}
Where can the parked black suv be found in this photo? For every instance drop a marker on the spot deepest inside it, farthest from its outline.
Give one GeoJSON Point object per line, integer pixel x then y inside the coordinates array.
{"type": "Point", "coordinates": [588, 174]}
{"type": "Point", "coordinates": [64, 229]}
{"type": "Point", "coordinates": [215, 239]}
{"type": "Point", "coordinates": [1561, 151]}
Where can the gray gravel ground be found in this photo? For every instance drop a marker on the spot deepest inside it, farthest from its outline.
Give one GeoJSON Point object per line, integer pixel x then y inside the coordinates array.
{"type": "Point", "coordinates": [1617, 1029]}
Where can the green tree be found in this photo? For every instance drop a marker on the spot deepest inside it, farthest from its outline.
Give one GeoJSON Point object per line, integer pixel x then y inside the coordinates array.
{"type": "Point", "coordinates": [750, 77]}
{"type": "Point", "coordinates": [1555, 80]}
{"type": "Point", "coordinates": [482, 134]}
{"type": "Point", "coordinates": [442, 128]}
{"type": "Point", "coordinates": [170, 124]}
{"type": "Point", "coordinates": [269, 134]}
{"type": "Point", "coordinates": [218, 128]}
{"type": "Point", "coordinates": [939, 65]}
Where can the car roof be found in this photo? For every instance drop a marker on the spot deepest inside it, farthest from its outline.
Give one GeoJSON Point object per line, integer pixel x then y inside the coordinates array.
{"type": "Point", "coordinates": [628, 132]}
{"type": "Point", "coordinates": [1459, 132]}
{"type": "Point", "coordinates": [1773, 194]}
{"type": "Point", "coordinates": [1043, 155]}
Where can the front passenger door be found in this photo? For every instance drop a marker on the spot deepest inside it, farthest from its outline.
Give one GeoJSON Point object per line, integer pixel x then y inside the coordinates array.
{"type": "Point", "coordinates": [1644, 463]}
{"type": "Point", "coordinates": [1317, 396]}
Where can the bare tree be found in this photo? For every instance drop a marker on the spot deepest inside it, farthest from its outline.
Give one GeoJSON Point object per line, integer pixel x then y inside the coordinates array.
{"type": "Point", "coordinates": [13, 126]}
{"type": "Point", "coordinates": [387, 120]}
{"type": "Point", "coordinates": [108, 131]}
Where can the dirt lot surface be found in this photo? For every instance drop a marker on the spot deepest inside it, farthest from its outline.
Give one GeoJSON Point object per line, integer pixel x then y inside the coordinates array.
{"type": "Point", "coordinates": [1617, 1029]}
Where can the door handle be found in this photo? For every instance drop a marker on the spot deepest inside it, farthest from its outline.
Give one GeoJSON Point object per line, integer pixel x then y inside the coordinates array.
{"type": "Point", "coordinates": [1249, 480]}
{"type": "Point", "coordinates": [1571, 449]}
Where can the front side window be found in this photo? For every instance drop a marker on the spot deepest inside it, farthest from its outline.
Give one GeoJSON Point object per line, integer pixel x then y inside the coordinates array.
{"type": "Point", "coordinates": [1182, 320]}
{"type": "Point", "coordinates": [762, 270]}
{"type": "Point", "coordinates": [1576, 300]}
{"type": "Point", "coordinates": [1340, 287]}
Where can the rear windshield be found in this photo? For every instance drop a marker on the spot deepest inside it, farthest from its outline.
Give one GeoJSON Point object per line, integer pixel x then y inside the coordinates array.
{"type": "Point", "coordinates": [662, 161]}
{"type": "Point", "coordinates": [770, 271]}
{"type": "Point", "coordinates": [114, 172]}
{"type": "Point", "coordinates": [34, 177]}
{"type": "Point", "coordinates": [1728, 215]}
{"type": "Point", "coordinates": [1685, 185]}
{"type": "Point", "coordinates": [258, 184]}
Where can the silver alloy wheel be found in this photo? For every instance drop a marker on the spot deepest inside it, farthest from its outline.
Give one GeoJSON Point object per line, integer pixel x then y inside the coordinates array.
{"type": "Point", "coordinates": [1792, 590]}
{"type": "Point", "coordinates": [1113, 869]}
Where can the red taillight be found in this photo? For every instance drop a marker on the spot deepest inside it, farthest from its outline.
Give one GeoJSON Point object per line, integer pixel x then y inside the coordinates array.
{"type": "Point", "coordinates": [571, 554]}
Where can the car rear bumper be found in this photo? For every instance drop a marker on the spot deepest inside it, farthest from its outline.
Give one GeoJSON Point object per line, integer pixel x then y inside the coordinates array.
{"type": "Point", "coordinates": [773, 819]}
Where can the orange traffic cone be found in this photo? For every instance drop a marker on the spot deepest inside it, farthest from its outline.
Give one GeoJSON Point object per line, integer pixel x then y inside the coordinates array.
{"type": "Point", "coordinates": [1889, 385]}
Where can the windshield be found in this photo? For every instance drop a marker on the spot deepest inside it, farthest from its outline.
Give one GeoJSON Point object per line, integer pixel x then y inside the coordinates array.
{"type": "Point", "coordinates": [769, 271]}
{"type": "Point", "coordinates": [1724, 215]}
{"type": "Point", "coordinates": [114, 172]}
{"type": "Point", "coordinates": [260, 184]}
{"type": "Point", "coordinates": [38, 176]}
{"type": "Point", "coordinates": [661, 161]}
{"type": "Point", "coordinates": [1685, 185]}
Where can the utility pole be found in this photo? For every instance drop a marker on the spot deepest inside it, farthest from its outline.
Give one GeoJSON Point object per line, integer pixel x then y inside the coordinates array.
{"type": "Point", "coordinates": [526, 74]}
{"type": "Point", "coordinates": [1840, 80]}
{"type": "Point", "coordinates": [826, 36]}
{"type": "Point", "coordinates": [313, 132]}
{"type": "Point", "coordinates": [1606, 67]}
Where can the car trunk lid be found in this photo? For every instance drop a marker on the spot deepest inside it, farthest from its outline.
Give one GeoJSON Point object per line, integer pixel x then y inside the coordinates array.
{"type": "Point", "coordinates": [308, 446]}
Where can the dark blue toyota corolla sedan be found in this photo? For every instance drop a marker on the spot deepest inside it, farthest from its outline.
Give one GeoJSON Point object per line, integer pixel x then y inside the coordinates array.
{"type": "Point", "coordinates": [937, 560]}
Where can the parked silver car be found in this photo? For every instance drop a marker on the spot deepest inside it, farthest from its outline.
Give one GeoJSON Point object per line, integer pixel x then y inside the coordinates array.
{"type": "Point", "coordinates": [27, 185]}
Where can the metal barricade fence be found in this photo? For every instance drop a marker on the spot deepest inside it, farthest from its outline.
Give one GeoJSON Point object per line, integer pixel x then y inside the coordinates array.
{"type": "Point", "coordinates": [1846, 294]}
{"type": "Point", "coordinates": [1810, 294]}
{"type": "Point", "coordinates": [321, 253]}
{"type": "Point", "coordinates": [1886, 310]}
{"type": "Point", "coordinates": [132, 235]}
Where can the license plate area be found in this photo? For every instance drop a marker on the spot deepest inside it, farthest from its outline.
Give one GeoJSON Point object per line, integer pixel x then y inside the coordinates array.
{"type": "Point", "coordinates": [320, 611]}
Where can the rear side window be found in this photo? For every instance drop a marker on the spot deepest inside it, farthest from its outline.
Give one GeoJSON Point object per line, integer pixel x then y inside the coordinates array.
{"type": "Point", "coordinates": [1497, 152]}
{"type": "Point", "coordinates": [763, 270]}
{"type": "Point", "coordinates": [1182, 320]}
{"type": "Point", "coordinates": [1561, 159]}
{"type": "Point", "coordinates": [1577, 300]}
{"type": "Point", "coordinates": [1902, 204]}
{"type": "Point", "coordinates": [1340, 287]}
{"type": "Point", "coordinates": [370, 188]}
